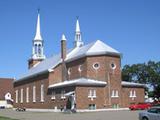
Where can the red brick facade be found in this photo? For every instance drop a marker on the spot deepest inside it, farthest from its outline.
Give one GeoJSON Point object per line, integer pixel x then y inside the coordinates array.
{"type": "Point", "coordinates": [111, 95]}
{"type": "Point", "coordinates": [6, 86]}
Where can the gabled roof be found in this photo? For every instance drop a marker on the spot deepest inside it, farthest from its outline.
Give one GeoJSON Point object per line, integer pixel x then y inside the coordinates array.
{"type": "Point", "coordinates": [132, 84]}
{"type": "Point", "coordinates": [95, 48]}
{"type": "Point", "coordinates": [78, 82]}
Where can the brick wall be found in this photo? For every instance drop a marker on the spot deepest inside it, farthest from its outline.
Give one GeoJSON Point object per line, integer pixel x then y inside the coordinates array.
{"type": "Point", "coordinates": [74, 66]}
{"type": "Point", "coordinates": [104, 98]}
{"type": "Point", "coordinates": [126, 99]}
{"type": "Point", "coordinates": [30, 83]}
{"type": "Point", "coordinates": [82, 100]}
{"type": "Point", "coordinates": [56, 75]}
{"type": "Point", "coordinates": [6, 85]}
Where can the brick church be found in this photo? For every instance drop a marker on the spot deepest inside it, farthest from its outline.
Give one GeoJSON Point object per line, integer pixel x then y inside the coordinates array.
{"type": "Point", "coordinates": [87, 76]}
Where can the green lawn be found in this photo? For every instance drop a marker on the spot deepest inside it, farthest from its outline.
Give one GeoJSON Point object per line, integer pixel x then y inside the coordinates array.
{"type": "Point", "coordinates": [6, 118]}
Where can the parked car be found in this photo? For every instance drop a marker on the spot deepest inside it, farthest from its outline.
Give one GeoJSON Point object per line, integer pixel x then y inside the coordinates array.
{"type": "Point", "coordinates": [140, 106]}
{"type": "Point", "coordinates": [21, 109]}
{"type": "Point", "coordinates": [151, 114]}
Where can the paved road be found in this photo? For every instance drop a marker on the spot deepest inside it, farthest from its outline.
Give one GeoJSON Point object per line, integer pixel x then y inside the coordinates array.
{"type": "Point", "coordinates": [108, 115]}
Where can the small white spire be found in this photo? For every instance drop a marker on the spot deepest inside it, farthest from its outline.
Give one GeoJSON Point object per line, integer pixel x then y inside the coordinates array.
{"type": "Point", "coordinates": [63, 37]}
{"type": "Point", "coordinates": [77, 26]}
{"type": "Point", "coordinates": [38, 29]}
{"type": "Point", "coordinates": [78, 41]}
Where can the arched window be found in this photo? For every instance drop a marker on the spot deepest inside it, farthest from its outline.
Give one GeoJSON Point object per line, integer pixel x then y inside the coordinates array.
{"type": "Point", "coordinates": [35, 48]}
{"type": "Point", "coordinates": [39, 49]}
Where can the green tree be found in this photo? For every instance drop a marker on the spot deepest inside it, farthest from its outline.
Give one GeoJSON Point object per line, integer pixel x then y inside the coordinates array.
{"type": "Point", "coordinates": [146, 73]}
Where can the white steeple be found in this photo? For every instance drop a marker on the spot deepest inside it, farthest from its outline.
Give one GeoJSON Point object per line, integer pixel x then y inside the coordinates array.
{"type": "Point", "coordinates": [38, 29]}
{"type": "Point", "coordinates": [78, 40]}
{"type": "Point", "coordinates": [77, 26]}
{"type": "Point", "coordinates": [37, 49]}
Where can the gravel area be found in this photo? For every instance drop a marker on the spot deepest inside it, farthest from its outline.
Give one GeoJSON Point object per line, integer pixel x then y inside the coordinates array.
{"type": "Point", "coordinates": [107, 115]}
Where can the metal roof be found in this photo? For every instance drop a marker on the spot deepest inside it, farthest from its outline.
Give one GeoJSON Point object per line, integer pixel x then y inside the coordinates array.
{"type": "Point", "coordinates": [95, 48]}
{"type": "Point", "coordinates": [79, 81]}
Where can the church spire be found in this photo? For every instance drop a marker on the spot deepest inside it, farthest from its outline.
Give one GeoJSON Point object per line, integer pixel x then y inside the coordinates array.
{"type": "Point", "coordinates": [37, 46]}
{"type": "Point", "coordinates": [38, 29]}
{"type": "Point", "coordinates": [37, 49]}
{"type": "Point", "coordinates": [78, 40]}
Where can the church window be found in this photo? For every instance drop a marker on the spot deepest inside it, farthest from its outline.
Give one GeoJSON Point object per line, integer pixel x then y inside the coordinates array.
{"type": "Point", "coordinates": [92, 93]}
{"type": "Point", "coordinates": [39, 49]}
{"type": "Point", "coordinates": [53, 97]}
{"type": "Point", "coordinates": [80, 68]}
{"type": "Point", "coordinates": [34, 93]}
{"type": "Point", "coordinates": [63, 94]}
{"type": "Point", "coordinates": [113, 65]}
{"type": "Point", "coordinates": [69, 71]}
{"type": "Point", "coordinates": [21, 95]}
{"type": "Point", "coordinates": [42, 93]}
{"type": "Point", "coordinates": [16, 96]}
{"type": "Point", "coordinates": [35, 48]}
{"type": "Point", "coordinates": [27, 94]}
{"type": "Point", "coordinates": [114, 93]}
{"type": "Point", "coordinates": [96, 66]}
{"type": "Point", "coordinates": [132, 94]}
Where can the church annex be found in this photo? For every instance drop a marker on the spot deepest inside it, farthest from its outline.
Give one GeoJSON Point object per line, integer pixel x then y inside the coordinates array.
{"type": "Point", "coordinates": [85, 77]}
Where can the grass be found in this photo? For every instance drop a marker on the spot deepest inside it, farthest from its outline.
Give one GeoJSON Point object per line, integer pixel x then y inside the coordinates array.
{"type": "Point", "coordinates": [6, 118]}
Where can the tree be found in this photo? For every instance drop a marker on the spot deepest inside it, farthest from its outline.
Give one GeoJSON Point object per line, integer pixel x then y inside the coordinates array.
{"type": "Point", "coordinates": [146, 73]}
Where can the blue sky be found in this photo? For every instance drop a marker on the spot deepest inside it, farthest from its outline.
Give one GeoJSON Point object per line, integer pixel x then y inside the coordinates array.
{"type": "Point", "coordinates": [130, 26]}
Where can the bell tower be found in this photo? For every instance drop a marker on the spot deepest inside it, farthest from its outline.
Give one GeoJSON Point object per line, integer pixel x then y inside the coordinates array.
{"type": "Point", "coordinates": [37, 46]}
{"type": "Point", "coordinates": [78, 41]}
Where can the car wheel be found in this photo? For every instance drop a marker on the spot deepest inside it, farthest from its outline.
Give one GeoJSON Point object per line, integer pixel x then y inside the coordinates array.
{"type": "Point", "coordinates": [144, 118]}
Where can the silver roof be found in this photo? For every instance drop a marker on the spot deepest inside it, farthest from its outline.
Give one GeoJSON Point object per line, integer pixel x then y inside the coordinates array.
{"type": "Point", "coordinates": [95, 48]}
{"type": "Point", "coordinates": [79, 81]}
{"type": "Point", "coordinates": [124, 83]}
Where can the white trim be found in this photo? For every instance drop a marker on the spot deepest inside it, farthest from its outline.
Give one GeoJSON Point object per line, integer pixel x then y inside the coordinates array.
{"type": "Point", "coordinates": [50, 70]}
{"type": "Point", "coordinates": [96, 68]}
{"type": "Point", "coordinates": [112, 63]}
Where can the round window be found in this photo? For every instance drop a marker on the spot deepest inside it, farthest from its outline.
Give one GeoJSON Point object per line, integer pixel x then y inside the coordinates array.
{"type": "Point", "coordinates": [113, 65]}
{"type": "Point", "coordinates": [96, 66]}
{"type": "Point", "coordinates": [80, 68]}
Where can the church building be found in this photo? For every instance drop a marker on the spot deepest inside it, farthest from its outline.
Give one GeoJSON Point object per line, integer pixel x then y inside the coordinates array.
{"type": "Point", "coordinates": [87, 76]}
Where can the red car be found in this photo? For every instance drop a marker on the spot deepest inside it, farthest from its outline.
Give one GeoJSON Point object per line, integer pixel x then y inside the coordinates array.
{"type": "Point", "coordinates": [140, 106]}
